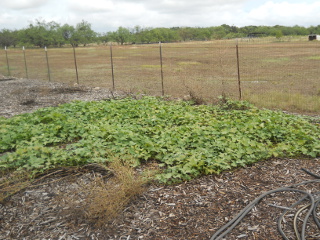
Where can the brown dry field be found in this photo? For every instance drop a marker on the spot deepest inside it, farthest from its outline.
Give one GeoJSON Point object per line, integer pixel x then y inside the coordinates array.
{"type": "Point", "coordinates": [274, 74]}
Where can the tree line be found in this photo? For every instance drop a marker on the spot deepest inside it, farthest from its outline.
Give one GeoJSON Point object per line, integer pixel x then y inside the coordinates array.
{"type": "Point", "coordinates": [42, 33]}
{"type": "Point", "coordinates": [52, 34]}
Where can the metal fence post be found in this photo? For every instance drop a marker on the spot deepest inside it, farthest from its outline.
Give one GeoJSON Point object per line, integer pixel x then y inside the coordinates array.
{"type": "Point", "coordinates": [75, 63]}
{"type": "Point", "coordinates": [161, 66]}
{"type": "Point", "coordinates": [5, 48]}
{"type": "Point", "coordinates": [238, 67]}
{"type": "Point", "coordinates": [223, 87]}
{"type": "Point", "coordinates": [46, 50]}
{"type": "Point", "coordinates": [112, 71]}
{"type": "Point", "coordinates": [25, 62]}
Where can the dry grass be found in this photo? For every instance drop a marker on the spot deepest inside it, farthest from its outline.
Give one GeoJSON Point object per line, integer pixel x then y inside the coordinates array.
{"type": "Point", "coordinates": [98, 199]}
{"type": "Point", "coordinates": [11, 183]}
{"type": "Point", "coordinates": [208, 68]}
{"type": "Point", "coordinates": [107, 198]}
{"type": "Point", "coordinates": [292, 102]}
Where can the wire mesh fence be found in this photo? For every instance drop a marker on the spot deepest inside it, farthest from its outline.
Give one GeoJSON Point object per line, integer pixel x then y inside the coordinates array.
{"type": "Point", "coordinates": [270, 72]}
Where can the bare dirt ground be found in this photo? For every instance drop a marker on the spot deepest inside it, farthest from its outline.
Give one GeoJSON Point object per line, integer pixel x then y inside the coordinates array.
{"type": "Point", "coordinates": [53, 207]}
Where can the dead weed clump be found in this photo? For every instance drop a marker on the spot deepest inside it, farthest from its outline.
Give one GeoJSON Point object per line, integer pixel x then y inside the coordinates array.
{"type": "Point", "coordinates": [95, 193]}
{"type": "Point", "coordinates": [194, 96]}
{"type": "Point", "coordinates": [12, 183]}
{"type": "Point", "coordinates": [106, 199]}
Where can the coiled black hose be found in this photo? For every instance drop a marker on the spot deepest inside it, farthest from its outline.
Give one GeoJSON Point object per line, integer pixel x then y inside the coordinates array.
{"type": "Point", "coordinates": [315, 213]}
{"type": "Point", "coordinates": [227, 228]}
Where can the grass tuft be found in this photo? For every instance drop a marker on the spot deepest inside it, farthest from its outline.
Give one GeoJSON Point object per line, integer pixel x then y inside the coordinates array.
{"type": "Point", "coordinates": [12, 182]}
{"type": "Point", "coordinates": [107, 199]}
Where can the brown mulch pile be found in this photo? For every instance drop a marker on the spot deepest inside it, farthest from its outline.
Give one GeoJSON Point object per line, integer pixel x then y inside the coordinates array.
{"type": "Point", "coordinates": [53, 207]}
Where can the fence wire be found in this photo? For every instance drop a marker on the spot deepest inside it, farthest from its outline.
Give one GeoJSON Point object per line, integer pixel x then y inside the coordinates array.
{"type": "Point", "coordinates": [272, 71]}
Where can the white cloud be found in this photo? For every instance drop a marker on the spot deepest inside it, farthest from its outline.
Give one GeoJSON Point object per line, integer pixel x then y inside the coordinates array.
{"type": "Point", "coordinates": [286, 13]}
{"type": "Point", "coordinates": [22, 4]}
{"type": "Point", "coordinates": [169, 13]}
{"type": "Point", "coordinates": [91, 6]}
{"type": "Point", "coordinates": [191, 6]}
{"type": "Point", "coordinates": [107, 15]}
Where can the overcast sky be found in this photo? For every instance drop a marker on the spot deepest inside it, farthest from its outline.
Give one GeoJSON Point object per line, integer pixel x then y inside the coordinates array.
{"type": "Point", "coordinates": [108, 15]}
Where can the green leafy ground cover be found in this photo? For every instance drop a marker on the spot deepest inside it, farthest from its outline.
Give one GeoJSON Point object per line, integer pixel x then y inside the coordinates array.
{"type": "Point", "coordinates": [187, 140]}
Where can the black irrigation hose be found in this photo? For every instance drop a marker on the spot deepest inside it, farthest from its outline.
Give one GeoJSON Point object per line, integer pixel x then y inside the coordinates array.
{"type": "Point", "coordinates": [6, 79]}
{"type": "Point", "coordinates": [310, 173]}
{"type": "Point", "coordinates": [284, 213]}
{"type": "Point", "coordinates": [315, 213]}
{"type": "Point", "coordinates": [227, 228]}
{"type": "Point", "coordinates": [235, 221]}
{"type": "Point", "coordinates": [295, 220]}
{"type": "Point", "coordinates": [280, 220]}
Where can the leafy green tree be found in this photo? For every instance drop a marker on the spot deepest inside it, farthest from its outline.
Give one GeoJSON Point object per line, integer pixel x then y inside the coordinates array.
{"type": "Point", "coordinates": [229, 29]}
{"type": "Point", "coordinates": [70, 35]}
{"type": "Point", "coordinates": [248, 29]}
{"type": "Point", "coordinates": [186, 33]}
{"type": "Point", "coordinates": [42, 34]}
{"type": "Point", "coordinates": [103, 38]}
{"type": "Point", "coordinates": [218, 32]}
{"type": "Point", "coordinates": [301, 31]}
{"type": "Point", "coordinates": [137, 32]}
{"type": "Point", "coordinates": [146, 36]}
{"type": "Point", "coordinates": [122, 35]}
{"type": "Point", "coordinates": [314, 29]}
{"type": "Point", "coordinates": [164, 35]}
{"type": "Point", "coordinates": [83, 33]}
{"type": "Point", "coordinates": [234, 35]}
{"type": "Point", "coordinates": [36, 34]}
{"type": "Point", "coordinates": [8, 38]}
{"type": "Point", "coordinates": [264, 30]}
{"type": "Point", "coordinates": [15, 37]}
{"type": "Point", "coordinates": [67, 32]}
{"type": "Point", "coordinates": [278, 34]}
{"type": "Point", "coordinates": [202, 34]}
{"type": "Point", "coordinates": [54, 32]}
